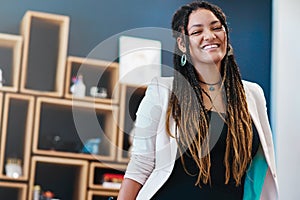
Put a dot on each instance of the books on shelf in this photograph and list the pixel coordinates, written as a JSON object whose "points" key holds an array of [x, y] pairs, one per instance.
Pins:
{"points": [[111, 185], [112, 180]]}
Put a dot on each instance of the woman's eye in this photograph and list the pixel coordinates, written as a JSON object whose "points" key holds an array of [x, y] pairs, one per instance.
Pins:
{"points": [[196, 32], [218, 28]]}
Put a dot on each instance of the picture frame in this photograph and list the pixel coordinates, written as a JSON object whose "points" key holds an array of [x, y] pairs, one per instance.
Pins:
{"points": [[139, 60]]}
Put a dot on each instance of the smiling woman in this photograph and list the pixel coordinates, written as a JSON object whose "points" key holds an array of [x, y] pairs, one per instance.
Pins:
{"points": [[207, 117]]}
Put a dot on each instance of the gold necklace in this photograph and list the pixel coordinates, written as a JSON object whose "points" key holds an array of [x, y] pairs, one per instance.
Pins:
{"points": [[213, 99]]}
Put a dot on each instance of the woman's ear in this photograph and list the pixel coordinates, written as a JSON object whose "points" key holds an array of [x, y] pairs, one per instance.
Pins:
{"points": [[181, 44]]}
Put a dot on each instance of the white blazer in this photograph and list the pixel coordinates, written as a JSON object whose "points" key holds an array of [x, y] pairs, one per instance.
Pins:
{"points": [[154, 151]]}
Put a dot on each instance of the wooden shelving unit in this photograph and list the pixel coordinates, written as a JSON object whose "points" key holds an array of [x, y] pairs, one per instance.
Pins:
{"points": [[68, 177], [44, 53], [130, 99], [17, 123], [13, 191], [99, 73], [10, 56], [97, 170], [62, 143], [74, 123]]}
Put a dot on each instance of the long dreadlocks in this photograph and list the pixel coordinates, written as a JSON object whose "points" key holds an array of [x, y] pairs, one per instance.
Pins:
{"points": [[187, 108]]}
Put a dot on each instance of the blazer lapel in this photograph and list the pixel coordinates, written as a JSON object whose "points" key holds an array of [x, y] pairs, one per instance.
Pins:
{"points": [[255, 118]]}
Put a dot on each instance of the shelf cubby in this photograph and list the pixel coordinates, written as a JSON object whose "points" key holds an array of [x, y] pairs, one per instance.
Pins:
{"points": [[45, 46], [62, 127], [16, 132], [101, 195], [97, 170], [13, 191], [10, 64], [130, 99], [67, 180], [99, 73]]}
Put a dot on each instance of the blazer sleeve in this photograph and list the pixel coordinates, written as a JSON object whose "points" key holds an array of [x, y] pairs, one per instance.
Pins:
{"points": [[142, 158]]}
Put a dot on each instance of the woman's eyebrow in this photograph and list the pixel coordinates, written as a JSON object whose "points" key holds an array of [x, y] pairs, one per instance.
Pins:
{"points": [[215, 22], [201, 25], [196, 25]]}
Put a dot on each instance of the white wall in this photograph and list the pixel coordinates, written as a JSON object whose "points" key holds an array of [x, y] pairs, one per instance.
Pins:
{"points": [[286, 95]]}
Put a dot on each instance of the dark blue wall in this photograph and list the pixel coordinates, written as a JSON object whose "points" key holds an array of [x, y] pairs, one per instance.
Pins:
{"points": [[251, 36], [93, 21]]}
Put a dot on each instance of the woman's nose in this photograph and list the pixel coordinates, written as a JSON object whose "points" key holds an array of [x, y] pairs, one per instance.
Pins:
{"points": [[208, 35]]}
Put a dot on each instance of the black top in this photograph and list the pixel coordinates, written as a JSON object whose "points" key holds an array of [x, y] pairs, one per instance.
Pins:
{"points": [[180, 185]]}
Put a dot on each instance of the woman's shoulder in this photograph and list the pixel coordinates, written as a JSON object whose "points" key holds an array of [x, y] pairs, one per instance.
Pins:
{"points": [[250, 84], [252, 88], [159, 88], [164, 81]]}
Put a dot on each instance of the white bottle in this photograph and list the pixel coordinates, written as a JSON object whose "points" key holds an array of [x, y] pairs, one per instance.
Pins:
{"points": [[36, 192], [79, 88]]}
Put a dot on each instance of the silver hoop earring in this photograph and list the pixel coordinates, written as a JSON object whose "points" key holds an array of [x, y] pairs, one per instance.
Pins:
{"points": [[183, 60]]}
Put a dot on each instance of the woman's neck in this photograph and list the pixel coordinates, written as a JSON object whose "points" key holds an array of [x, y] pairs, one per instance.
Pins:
{"points": [[209, 74]]}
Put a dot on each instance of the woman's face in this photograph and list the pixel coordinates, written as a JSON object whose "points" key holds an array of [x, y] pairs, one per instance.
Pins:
{"points": [[208, 39]]}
